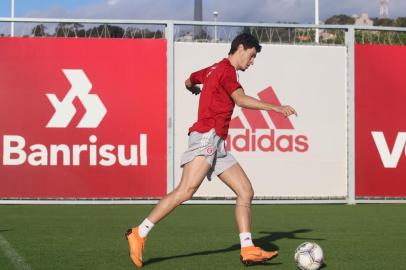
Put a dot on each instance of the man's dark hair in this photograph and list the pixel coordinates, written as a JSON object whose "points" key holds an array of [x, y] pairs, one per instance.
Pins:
{"points": [[247, 40]]}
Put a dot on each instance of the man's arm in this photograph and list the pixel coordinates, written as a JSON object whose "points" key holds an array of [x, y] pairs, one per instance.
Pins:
{"points": [[244, 101], [192, 87], [196, 78]]}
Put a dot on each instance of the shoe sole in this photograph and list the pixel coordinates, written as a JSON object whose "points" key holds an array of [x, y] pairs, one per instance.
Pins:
{"points": [[127, 233], [251, 262]]}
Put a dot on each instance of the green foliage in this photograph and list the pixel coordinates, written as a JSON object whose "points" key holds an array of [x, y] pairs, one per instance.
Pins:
{"points": [[100, 31], [267, 35], [383, 22], [400, 22], [374, 37], [200, 33], [106, 31], [39, 31], [263, 34], [340, 19], [69, 29], [380, 37]]}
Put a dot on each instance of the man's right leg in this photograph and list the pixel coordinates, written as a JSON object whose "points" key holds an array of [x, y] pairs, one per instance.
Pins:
{"points": [[192, 176]]}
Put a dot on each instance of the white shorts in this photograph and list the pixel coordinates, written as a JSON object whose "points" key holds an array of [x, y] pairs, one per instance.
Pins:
{"points": [[211, 146]]}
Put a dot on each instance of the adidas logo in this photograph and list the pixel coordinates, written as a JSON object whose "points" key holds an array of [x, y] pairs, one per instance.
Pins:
{"points": [[251, 131], [65, 111]]}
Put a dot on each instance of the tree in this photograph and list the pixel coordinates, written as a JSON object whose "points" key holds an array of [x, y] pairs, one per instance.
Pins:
{"points": [[106, 31], [134, 32], [100, 31], [69, 30], [39, 30], [400, 22], [259, 32], [340, 19], [200, 33], [266, 34], [382, 22]]}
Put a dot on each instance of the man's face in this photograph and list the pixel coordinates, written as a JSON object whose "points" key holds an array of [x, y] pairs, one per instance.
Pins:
{"points": [[246, 57]]}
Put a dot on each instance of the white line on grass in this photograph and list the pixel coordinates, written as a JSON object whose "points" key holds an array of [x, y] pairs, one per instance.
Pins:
{"points": [[18, 261]]}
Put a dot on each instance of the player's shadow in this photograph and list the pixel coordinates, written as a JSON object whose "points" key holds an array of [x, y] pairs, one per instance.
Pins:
{"points": [[266, 242]]}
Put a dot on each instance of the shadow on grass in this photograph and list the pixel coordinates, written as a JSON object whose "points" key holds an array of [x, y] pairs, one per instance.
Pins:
{"points": [[266, 242]]}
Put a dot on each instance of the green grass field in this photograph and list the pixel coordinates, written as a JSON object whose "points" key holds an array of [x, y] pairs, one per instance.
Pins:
{"points": [[200, 236]]}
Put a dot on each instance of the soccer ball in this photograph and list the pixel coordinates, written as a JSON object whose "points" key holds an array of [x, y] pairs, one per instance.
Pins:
{"points": [[309, 256]]}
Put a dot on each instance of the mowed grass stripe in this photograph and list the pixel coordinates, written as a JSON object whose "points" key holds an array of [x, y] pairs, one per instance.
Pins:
{"points": [[17, 261]]}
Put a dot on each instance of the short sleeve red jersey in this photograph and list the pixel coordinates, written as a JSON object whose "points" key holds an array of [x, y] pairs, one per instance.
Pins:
{"points": [[215, 105]]}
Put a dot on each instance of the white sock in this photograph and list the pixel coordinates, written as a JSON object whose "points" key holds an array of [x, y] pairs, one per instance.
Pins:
{"points": [[246, 239], [145, 227]]}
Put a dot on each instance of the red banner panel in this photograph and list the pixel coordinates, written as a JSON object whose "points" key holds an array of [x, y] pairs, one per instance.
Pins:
{"points": [[82, 118], [380, 111]]}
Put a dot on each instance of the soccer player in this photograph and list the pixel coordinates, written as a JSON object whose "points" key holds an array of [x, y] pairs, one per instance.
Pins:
{"points": [[207, 155]]}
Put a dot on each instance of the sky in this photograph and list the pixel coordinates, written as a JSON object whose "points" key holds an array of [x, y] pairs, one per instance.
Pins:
{"points": [[269, 11]]}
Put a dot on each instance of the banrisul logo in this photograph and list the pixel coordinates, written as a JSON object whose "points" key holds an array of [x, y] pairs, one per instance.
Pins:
{"points": [[17, 151], [64, 109], [252, 130]]}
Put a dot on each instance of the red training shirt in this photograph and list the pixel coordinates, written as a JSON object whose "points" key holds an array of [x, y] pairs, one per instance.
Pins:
{"points": [[215, 104]]}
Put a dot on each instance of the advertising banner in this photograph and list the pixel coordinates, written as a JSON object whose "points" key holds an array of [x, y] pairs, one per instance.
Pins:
{"points": [[296, 157], [380, 131], [82, 118]]}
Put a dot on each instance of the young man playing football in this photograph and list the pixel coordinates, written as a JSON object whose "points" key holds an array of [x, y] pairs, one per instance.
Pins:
{"points": [[207, 154]]}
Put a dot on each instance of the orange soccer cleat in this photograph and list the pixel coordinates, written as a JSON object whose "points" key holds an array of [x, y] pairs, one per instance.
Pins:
{"points": [[255, 255], [136, 245]]}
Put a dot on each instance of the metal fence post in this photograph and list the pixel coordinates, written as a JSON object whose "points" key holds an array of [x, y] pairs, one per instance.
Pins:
{"points": [[169, 35], [12, 16], [350, 43]]}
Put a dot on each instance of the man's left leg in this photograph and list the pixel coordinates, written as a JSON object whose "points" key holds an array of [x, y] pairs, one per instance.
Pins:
{"points": [[235, 178]]}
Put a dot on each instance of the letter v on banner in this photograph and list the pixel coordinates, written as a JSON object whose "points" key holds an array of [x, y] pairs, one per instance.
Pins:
{"points": [[390, 159]]}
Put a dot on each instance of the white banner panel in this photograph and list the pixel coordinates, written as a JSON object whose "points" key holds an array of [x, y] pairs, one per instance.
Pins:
{"points": [[302, 156]]}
